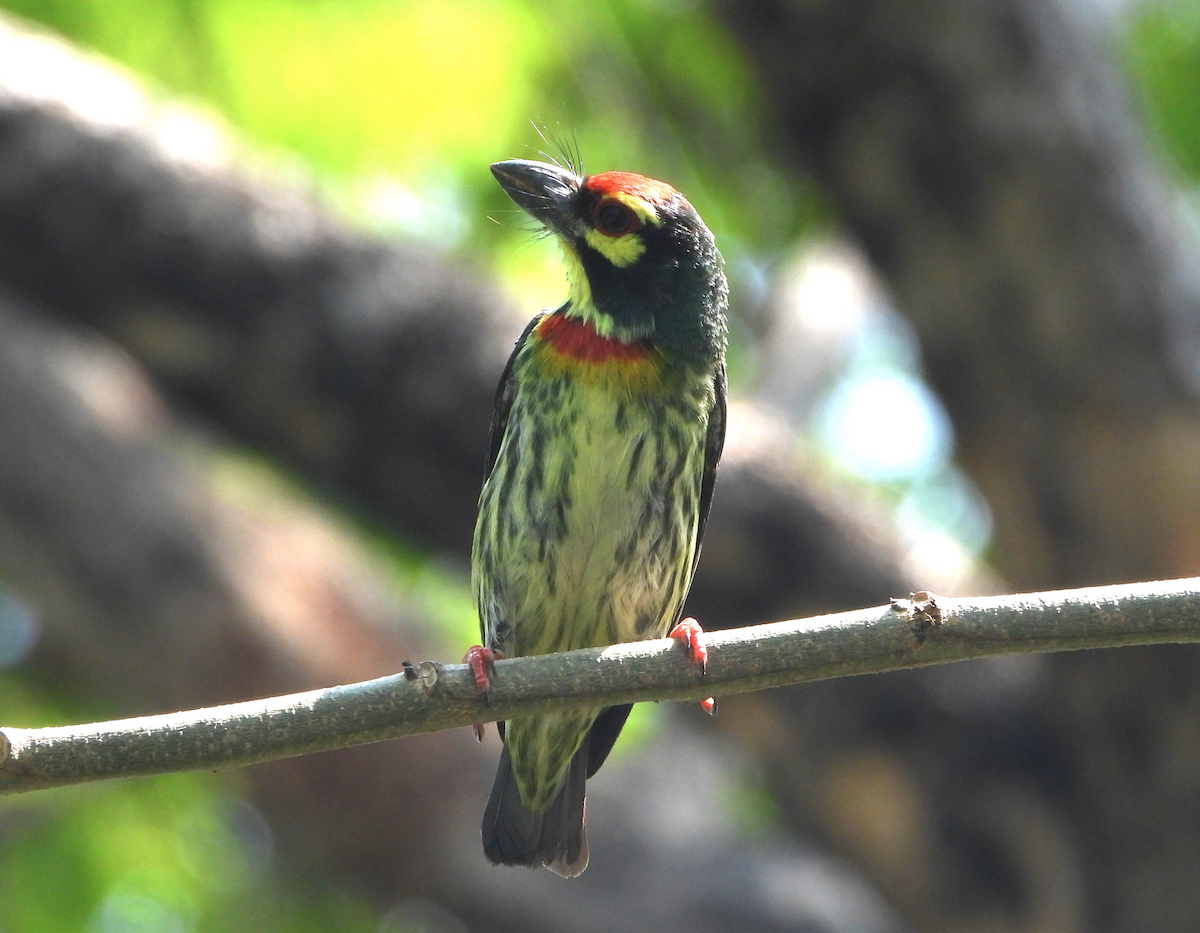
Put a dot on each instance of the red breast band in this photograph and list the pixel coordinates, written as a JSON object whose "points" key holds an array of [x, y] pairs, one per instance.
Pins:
{"points": [[579, 340]]}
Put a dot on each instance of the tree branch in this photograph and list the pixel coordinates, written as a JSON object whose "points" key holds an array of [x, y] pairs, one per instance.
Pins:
{"points": [[910, 633]]}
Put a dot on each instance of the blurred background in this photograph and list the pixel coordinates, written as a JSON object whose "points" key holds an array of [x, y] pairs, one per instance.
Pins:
{"points": [[257, 286]]}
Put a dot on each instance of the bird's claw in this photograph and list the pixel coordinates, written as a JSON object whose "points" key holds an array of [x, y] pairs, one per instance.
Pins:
{"points": [[691, 636], [482, 662]]}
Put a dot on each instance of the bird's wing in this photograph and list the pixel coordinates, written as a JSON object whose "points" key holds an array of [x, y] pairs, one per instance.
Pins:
{"points": [[505, 392], [714, 443], [504, 399]]}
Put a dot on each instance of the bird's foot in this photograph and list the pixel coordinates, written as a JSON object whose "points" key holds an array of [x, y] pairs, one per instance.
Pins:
{"points": [[482, 662], [691, 636]]}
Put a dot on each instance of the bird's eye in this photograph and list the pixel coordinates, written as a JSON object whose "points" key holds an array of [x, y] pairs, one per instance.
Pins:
{"points": [[613, 218]]}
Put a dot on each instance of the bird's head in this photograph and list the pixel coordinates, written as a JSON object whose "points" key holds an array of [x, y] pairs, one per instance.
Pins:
{"points": [[641, 263]]}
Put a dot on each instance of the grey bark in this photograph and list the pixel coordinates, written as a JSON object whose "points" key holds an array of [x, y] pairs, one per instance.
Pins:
{"points": [[912, 632]]}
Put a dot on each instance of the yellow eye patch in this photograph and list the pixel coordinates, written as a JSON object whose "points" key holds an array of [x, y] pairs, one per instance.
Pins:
{"points": [[646, 212], [621, 251]]}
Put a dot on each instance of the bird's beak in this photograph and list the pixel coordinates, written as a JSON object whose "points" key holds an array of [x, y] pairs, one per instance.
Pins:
{"points": [[545, 192]]}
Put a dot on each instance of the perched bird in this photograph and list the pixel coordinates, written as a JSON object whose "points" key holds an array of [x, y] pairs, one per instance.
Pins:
{"points": [[609, 423]]}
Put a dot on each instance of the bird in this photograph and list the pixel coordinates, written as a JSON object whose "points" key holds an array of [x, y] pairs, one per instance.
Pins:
{"points": [[608, 426]]}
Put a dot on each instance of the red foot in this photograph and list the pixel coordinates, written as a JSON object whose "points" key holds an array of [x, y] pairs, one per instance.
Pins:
{"points": [[709, 705], [691, 635], [483, 665]]}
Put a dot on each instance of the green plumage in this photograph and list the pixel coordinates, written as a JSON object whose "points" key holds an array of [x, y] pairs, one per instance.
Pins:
{"points": [[600, 474]]}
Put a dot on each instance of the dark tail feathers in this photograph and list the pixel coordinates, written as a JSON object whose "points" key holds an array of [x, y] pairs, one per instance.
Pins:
{"points": [[515, 835]]}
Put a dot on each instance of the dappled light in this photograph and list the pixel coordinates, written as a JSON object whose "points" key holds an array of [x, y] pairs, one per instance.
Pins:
{"points": [[257, 286]]}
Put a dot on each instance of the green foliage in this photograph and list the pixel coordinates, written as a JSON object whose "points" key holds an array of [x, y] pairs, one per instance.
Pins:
{"points": [[376, 86], [1163, 55], [178, 854], [400, 106]]}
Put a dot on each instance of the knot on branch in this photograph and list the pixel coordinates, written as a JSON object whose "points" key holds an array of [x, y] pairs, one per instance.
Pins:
{"points": [[923, 612]]}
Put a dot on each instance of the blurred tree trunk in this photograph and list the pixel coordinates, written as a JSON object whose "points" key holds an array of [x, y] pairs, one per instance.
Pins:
{"points": [[985, 156]]}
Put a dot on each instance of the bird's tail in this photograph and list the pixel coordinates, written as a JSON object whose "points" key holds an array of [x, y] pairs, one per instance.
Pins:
{"points": [[515, 835]]}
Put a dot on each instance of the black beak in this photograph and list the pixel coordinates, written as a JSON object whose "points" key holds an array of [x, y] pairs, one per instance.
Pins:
{"points": [[545, 192]]}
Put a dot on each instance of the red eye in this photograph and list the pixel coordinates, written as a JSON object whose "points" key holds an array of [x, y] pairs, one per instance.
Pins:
{"points": [[612, 218]]}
